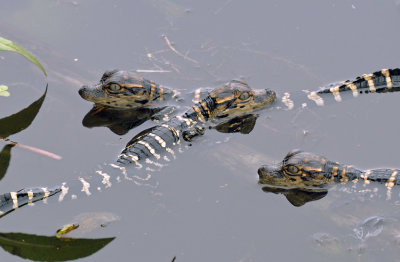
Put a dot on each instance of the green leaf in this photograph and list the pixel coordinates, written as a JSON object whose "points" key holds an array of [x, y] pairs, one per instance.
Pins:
{"points": [[3, 90], [7, 45], [5, 156], [45, 248], [17, 122]]}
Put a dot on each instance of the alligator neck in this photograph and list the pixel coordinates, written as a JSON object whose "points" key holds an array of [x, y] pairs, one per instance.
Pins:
{"points": [[201, 112]]}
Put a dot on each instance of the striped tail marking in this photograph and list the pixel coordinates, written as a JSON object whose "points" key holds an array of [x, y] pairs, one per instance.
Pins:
{"points": [[14, 200]]}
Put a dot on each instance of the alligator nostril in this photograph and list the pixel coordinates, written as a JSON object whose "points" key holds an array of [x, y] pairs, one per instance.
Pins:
{"points": [[261, 171], [82, 90]]}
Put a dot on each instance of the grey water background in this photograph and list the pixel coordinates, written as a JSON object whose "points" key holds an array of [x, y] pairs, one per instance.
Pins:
{"points": [[208, 205]]}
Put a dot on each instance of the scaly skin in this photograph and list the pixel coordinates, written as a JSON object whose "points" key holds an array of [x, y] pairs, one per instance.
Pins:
{"points": [[153, 148], [121, 89], [125, 90], [385, 80], [306, 170], [312, 173]]}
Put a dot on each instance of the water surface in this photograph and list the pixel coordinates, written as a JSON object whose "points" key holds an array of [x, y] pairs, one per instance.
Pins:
{"points": [[208, 206]]}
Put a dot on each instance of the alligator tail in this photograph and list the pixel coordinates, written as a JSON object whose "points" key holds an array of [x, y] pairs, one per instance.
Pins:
{"points": [[389, 177], [149, 151], [385, 80], [14, 200]]}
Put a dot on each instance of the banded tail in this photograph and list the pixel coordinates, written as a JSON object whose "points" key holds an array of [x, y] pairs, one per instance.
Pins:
{"points": [[153, 148], [383, 81], [149, 151]]}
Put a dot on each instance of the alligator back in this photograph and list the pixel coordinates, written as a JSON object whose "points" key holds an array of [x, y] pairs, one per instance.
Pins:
{"points": [[311, 174], [152, 148]]}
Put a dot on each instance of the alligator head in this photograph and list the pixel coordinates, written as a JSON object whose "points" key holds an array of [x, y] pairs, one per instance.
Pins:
{"points": [[300, 170], [123, 89]]}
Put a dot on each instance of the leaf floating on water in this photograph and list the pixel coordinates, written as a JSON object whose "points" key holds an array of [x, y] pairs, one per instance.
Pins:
{"points": [[7, 45], [84, 223], [65, 229], [45, 248], [3, 91]]}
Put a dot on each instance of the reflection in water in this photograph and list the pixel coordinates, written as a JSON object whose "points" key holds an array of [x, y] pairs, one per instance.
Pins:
{"points": [[13, 124], [68, 244], [5, 156], [242, 124], [297, 197], [119, 121], [371, 233], [17, 122], [50, 248], [303, 177], [154, 148]]}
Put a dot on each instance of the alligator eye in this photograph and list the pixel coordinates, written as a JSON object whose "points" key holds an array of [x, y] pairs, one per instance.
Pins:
{"points": [[244, 96], [292, 169], [114, 87]]}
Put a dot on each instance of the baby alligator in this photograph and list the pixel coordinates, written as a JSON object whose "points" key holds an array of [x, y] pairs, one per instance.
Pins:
{"points": [[314, 174], [126, 90], [147, 149], [124, 100]]}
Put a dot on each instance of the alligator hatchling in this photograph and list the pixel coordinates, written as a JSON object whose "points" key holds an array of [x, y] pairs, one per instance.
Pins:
{"points": [[308, 175], [155, 147]]}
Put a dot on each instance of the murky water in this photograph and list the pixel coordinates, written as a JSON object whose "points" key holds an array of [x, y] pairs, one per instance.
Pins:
{"points": [[208, 206]]}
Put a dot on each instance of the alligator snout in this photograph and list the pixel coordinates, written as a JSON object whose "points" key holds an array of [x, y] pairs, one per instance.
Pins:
{"points": [[269, 173], [82, 91]]}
